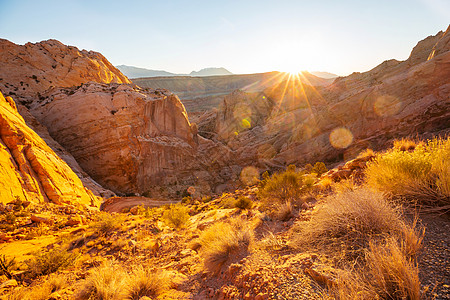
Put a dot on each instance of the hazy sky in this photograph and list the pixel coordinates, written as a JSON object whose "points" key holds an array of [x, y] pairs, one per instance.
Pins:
{"points": [[243, 36]]}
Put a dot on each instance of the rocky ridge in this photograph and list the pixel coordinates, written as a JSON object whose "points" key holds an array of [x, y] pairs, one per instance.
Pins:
{"points": [[30, 170]]}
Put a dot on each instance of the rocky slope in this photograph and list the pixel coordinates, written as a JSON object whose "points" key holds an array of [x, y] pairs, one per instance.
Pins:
{"points": [[301, 123], [29, 169]]}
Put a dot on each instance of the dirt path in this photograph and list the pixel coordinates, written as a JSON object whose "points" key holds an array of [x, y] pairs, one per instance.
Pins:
{"points": [[117, 204], [434, 262]]}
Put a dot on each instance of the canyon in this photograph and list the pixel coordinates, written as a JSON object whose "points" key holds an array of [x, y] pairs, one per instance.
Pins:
{"points": [[123, 136]]}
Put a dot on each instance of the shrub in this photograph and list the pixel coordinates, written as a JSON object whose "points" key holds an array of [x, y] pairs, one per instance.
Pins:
{"points": [[224, 243], [176, 216], [319, 168], [243, 203], [284, 211], [7, 266], [104, 282], [107, 223], [282, 187], [145, 282], [347, 221], [405, 145], [421, 175], [50, 262]]}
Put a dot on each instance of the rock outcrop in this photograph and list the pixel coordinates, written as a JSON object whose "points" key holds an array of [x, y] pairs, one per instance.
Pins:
{"points": [[29, 169], [310, 123], [128, 139], [28, 70]]}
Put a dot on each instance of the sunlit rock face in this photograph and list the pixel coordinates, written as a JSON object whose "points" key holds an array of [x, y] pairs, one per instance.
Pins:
{"points": [[301, 123], [128, 139], [28, 70], [29, 169]]}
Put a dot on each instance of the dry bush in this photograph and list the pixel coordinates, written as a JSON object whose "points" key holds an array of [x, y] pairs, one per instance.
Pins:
{"points": [[176, 216], [8, 266], [282, 187], [39, 292], [146, 282], [347, 221], [243, 203], [50, 262], [349, 284], [107, 223], [421, 175], [106, 282], [284, 211], [405, 144], [391, 274], [224, 243]]}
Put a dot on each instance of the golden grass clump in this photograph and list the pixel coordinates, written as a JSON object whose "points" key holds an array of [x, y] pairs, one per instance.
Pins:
{"points": [[282, 187], [176, 216], [50, 262], [421, 175], [348, 221], [391, 273], [145, 282], [107, 281], [224, 243], [107, 223]]}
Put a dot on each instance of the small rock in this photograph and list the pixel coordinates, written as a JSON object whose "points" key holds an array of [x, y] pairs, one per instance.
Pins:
{"points": [[134, 210], [37, 219]]}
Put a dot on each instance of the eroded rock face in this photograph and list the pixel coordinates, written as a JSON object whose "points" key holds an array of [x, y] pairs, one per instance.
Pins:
{"points": [[364, 110], [126, 138], [29, 169], [28, 70]]}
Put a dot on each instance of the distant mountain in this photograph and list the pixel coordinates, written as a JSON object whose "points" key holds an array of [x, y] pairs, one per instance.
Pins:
{"points": [[134, 72], [211, 72], [325, 75]]}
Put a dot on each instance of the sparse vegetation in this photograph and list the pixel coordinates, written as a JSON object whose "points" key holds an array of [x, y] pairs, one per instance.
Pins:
{"points": [[7, 266], [282, 187], [421, 174], [50, 262], [348, 221], [107, 223], [243, 203], [104, 282], [225, 242], [176, 216], [319, 168], [146, 282]]}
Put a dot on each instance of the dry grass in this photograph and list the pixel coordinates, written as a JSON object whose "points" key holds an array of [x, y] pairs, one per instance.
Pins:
{"points": [[176, 216], [40, 292], [406, 144], [348, 221], [107, 223], [50, 262], [107, 282], [282, 187], [224, 243], [421, 175], [391, 274], [284, 211], [145, 282]]}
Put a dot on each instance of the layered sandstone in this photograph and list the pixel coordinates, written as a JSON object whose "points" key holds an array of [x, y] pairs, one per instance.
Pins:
{"points": [[128, 139], [308, 123], [29, 169], [28, 70]]}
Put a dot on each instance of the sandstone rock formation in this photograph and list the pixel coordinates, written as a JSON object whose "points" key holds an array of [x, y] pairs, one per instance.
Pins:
{"points": [[126, 138], [27, 70], [29, 169], [310, 123]]}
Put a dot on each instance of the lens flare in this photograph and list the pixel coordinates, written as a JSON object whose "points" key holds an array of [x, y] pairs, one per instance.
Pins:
{"points": [[341, 138]]}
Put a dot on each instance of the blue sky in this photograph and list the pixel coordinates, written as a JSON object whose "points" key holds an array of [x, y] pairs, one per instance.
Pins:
{"points": [[242, 36]]}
